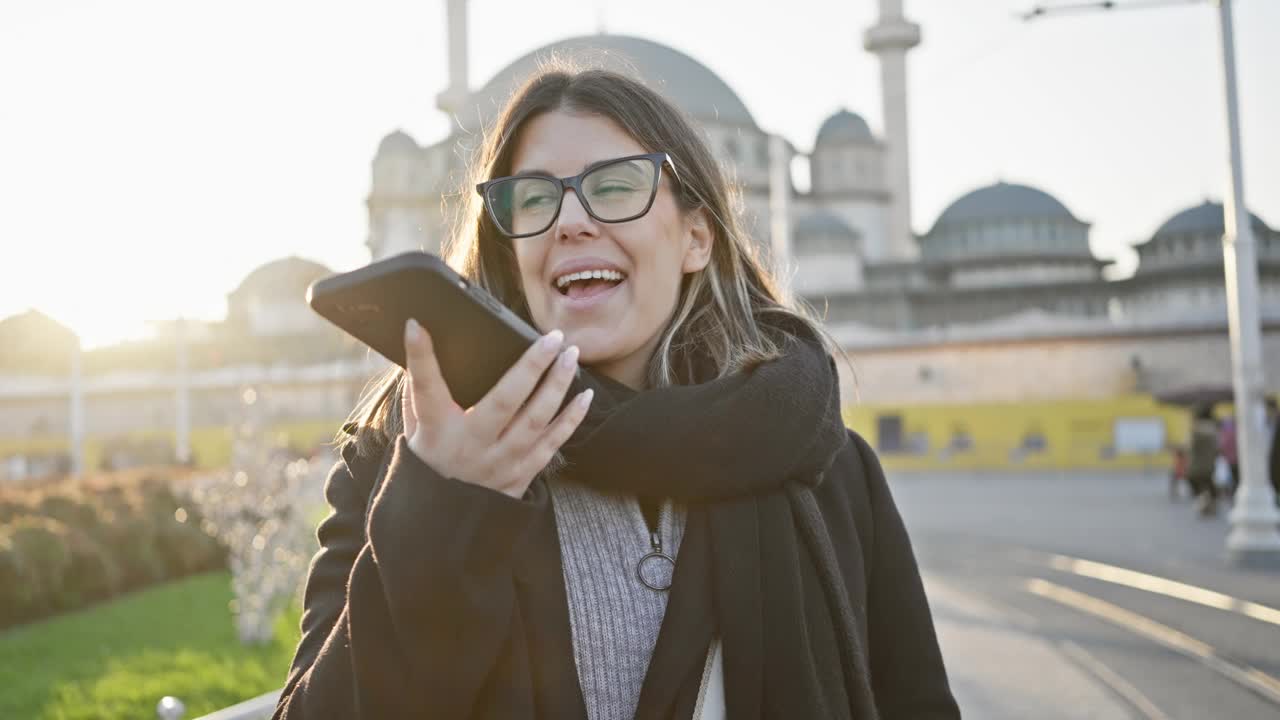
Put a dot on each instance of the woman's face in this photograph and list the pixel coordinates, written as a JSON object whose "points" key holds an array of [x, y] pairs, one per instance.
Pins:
{"points": [[616, 325]]}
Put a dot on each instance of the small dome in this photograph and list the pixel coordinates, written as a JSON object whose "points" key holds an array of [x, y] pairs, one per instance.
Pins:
{"points": [[34, 328], [822, 222], [35, 343], [284, 279], [821, 232], [842, 128], [397, 143], [1203, 219], [689, 84], [1004, 201]]}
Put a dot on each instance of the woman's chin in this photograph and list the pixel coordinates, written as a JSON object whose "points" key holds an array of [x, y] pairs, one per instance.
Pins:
{"points": [[598, 351], [594, 348]]}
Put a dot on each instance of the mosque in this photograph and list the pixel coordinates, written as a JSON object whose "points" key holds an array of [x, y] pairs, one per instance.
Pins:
{"points": [[975, 342], [991, 339], [995, 252]]}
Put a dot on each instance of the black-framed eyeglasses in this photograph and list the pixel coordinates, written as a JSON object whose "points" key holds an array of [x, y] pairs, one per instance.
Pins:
{"points": [[611, 191]]}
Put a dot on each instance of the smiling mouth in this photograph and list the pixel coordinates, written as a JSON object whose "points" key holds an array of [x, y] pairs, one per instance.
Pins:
{"points": [[588, 284]]}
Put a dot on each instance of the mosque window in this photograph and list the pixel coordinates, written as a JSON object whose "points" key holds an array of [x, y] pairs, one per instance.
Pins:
{"points": [[731, 149], [762, 152]]}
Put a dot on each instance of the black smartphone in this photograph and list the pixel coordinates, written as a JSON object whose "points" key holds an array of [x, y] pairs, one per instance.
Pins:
{"points": [[476, 338]]}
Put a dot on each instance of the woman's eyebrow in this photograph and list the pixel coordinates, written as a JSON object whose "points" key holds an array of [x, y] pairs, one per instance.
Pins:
{"points": [[590, 166]]}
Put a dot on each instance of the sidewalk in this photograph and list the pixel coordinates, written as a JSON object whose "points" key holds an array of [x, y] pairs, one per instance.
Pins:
{"points": [[1001, 671]]}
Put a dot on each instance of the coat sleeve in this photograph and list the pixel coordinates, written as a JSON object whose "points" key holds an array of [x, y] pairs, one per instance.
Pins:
{"points": [[907, 672], [410, 600]]}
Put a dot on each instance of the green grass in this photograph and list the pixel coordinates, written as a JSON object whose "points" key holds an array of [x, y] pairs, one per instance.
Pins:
{"points": [[118, 659]]}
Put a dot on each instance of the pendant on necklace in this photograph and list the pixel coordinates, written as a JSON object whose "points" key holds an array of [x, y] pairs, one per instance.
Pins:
{"points": [[656, 569]]}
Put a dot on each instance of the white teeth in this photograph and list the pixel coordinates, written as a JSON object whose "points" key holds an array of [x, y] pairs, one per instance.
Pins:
{"points": [[564, 280]]}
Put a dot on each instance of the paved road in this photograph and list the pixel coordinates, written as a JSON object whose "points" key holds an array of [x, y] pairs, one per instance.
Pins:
{"points": [[1091, 596]]}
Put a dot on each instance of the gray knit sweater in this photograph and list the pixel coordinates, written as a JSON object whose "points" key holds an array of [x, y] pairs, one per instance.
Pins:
{"points": [[613, 616]]}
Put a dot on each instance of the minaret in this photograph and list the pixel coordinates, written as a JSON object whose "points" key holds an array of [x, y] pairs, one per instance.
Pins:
{"points": [[454, 97], [891, 38], [780, 206]]}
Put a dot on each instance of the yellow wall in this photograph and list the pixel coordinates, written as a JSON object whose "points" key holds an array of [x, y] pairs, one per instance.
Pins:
{"points": [[1076, 433], [211, 445]]}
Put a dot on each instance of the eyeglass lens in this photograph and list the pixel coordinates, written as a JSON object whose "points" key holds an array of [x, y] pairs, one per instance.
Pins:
{"points": [[613, 193]]}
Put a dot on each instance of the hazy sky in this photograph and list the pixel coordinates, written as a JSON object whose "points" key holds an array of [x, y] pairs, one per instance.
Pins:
{"points": [[153, 152]]}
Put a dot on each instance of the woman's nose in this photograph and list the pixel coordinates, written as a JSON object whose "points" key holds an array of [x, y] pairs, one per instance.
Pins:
{"points": [[574, 220]]}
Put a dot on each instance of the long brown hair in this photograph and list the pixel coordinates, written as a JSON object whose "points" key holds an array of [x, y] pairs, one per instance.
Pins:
{"points": [[716, 327]]}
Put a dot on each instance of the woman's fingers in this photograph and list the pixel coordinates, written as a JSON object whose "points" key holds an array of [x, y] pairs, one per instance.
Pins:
{"points": [[407, 413], [538, 412], [557, 434], [496, 409], [465, 445], [430, 394]]}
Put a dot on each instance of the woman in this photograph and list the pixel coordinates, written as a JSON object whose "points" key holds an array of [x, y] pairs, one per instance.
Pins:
{"points": [[519, 560], [1203, 456]]}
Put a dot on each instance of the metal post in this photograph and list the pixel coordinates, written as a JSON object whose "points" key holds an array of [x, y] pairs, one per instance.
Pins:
{"points": [[76, 398], [1254, 539], [182, 431]]}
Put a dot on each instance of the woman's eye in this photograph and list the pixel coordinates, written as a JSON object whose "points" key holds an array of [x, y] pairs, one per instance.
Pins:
{"points": [[535, 201], [613, 189]]}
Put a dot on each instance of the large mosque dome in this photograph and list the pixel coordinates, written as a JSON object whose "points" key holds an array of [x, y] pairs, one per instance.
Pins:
{"points": [[1006, 219], [683, 80], [1003, 201]]}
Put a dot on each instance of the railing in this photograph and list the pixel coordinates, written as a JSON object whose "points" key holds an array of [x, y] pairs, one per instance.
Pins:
{"points": [[259, 708]]}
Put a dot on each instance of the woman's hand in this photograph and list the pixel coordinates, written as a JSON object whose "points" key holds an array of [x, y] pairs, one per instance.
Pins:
{"points": [[511, 434]]}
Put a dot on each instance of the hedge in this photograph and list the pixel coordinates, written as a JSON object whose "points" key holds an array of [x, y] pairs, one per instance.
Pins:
{"points": [[74, 543]]}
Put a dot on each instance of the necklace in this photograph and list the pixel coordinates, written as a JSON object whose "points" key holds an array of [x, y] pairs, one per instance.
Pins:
{"points": [[657, 569]]}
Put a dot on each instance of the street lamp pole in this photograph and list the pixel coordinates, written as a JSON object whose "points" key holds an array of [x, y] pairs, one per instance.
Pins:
{"points": [[182, 431], [77, 417], [1254, 538]]}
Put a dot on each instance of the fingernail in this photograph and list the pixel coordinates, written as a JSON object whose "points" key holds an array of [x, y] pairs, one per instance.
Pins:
{"points": [[585, 398], [552, 340], [412, 330], [569, 357]]}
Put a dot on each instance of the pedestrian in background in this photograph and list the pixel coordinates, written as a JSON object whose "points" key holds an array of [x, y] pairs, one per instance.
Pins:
{"points": [[1204, 453], [1227, 448], [1178, 473], [1273, 432]]}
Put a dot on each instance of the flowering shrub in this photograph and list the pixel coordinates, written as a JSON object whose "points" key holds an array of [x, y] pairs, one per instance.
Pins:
{"points": [[263, 510]]}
